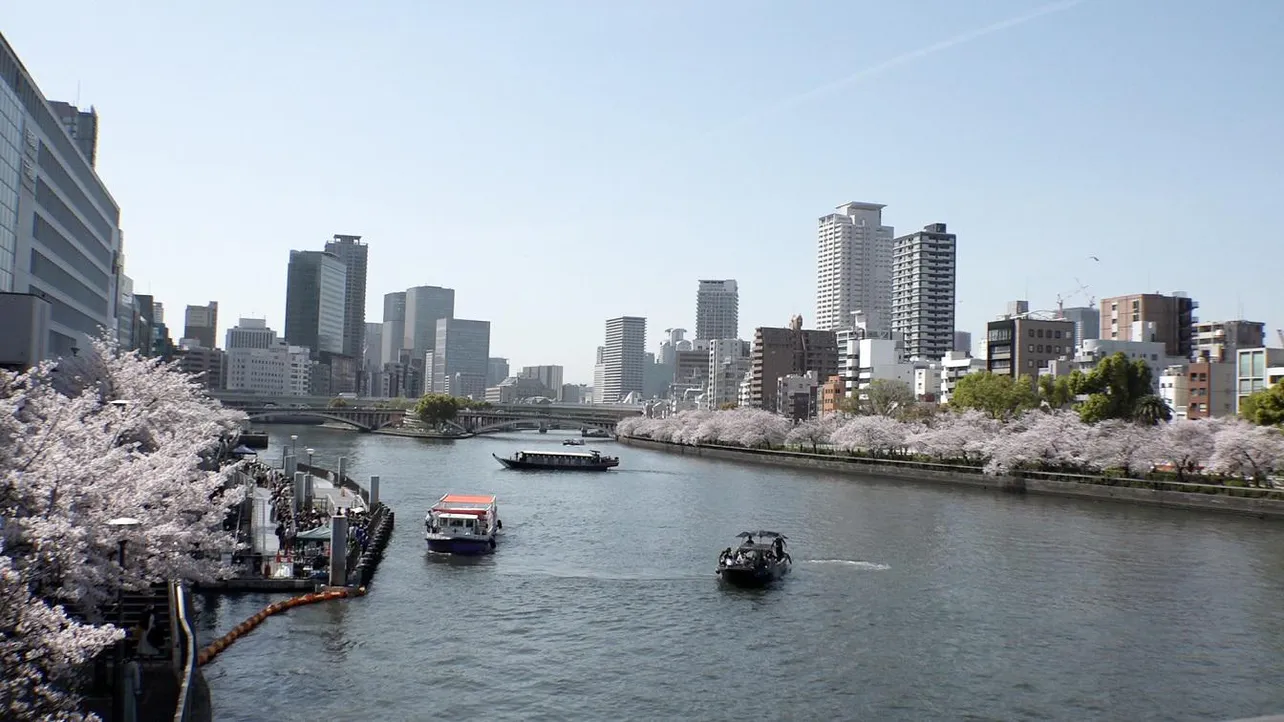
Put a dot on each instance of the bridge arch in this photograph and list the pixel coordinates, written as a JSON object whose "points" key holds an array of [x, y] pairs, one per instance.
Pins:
{"points": [[260, 415], [536, 421]]}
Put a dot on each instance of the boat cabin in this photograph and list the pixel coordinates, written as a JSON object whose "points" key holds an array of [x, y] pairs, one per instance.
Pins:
{"points": [[561, 458], [462, 515]]}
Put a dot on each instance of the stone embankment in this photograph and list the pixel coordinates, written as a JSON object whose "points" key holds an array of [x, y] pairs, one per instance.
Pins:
{"points": [[1261, 503]]}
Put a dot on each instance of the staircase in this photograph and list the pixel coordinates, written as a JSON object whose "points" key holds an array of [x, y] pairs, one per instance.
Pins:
{"points": [[134, 604]]}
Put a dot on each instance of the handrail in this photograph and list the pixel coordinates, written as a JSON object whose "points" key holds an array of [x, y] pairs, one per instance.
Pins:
{"points": [[183, 708]]}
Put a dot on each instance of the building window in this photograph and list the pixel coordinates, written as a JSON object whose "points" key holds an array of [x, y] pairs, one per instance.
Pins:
{"points": [[1031, 348], [1058, 334], [1031, 333], [1040, 348]]}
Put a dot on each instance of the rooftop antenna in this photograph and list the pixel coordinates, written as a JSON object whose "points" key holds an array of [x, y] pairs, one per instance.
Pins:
{"points": [[77, 94]]}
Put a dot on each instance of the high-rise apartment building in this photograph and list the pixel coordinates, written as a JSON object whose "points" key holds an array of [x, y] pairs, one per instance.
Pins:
{"points": [[60, 239], [853, 266], [354, 255], [200, 323], [717, 310], [1125, 318], [461, 357], [315, 290], [425, 306], [622, 359], [963, 342], [1221, 341], [550, 376], [792, 351], [729, 361], [923, 287]]}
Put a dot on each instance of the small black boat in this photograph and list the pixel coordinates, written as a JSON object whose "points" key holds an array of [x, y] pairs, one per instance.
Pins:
{"points": [[559, 461], [755, 563]]}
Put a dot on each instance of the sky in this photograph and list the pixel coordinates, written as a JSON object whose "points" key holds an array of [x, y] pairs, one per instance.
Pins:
{"points": [[559, 163]]}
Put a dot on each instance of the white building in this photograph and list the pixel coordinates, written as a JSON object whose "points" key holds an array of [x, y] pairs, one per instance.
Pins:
{"points": [[923, 275], [263, 371], [1174, 389], [954, 366], [849, 336], [881, 358], [250, 333], [717, 310], [729, 361], [853, 266], [299, 374], [1154, 353], [744, 395], [622, 359], [927, 382], [796, 395]]}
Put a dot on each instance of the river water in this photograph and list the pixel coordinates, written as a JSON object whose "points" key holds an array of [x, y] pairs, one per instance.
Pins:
{"points": [[907, 602]]}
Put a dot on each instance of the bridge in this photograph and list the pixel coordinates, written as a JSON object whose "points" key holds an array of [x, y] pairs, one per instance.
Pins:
{"points": [[486, 420], [361, 419]]}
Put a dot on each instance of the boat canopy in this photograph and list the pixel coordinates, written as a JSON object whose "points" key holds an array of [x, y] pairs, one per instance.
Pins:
{"points": [[760, 533], [582, 454], [447, 511], [467, 499], [457, 515]]}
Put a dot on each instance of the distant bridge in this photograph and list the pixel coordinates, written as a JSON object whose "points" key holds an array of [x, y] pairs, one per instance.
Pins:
{"points": [[362, 419], [488, 420]]}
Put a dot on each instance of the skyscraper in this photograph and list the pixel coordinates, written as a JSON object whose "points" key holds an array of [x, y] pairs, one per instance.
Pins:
{"points": [[622, 359], [550, 376], [394, 326], [853, 266], [923, 282], [717, 310], [425, 306], [60, 240], [354, 254], [496, 370], [314, 301], [201, 323], [82, 126], [461, 357]]}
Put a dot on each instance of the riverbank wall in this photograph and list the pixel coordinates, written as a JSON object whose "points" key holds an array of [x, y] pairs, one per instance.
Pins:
{"points": [[1260, 503]]}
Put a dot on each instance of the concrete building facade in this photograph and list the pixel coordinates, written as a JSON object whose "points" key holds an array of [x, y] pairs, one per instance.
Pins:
{"points": [[779, 352], [550, 376], [200, 323], [1022, 346], [462, 347], [923, 291], [425, 306], [1221, 341], [1173, 317]]}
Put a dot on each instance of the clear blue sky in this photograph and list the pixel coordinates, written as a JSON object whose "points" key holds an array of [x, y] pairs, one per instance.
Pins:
{"points": [[558, 162]]}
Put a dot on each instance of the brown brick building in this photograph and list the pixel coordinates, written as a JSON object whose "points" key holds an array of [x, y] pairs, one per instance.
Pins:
{"points": [[1124, 318], [779, 352]]}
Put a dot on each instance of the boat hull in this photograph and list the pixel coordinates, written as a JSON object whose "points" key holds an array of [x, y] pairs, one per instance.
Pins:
{"points": [[749, 577], [462, 547], [539, 466]]}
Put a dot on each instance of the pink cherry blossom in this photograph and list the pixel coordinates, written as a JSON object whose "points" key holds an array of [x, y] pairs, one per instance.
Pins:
{"points": [[90, 439]]}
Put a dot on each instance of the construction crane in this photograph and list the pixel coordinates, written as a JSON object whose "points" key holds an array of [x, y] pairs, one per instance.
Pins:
{"points": [[1061, 297]]}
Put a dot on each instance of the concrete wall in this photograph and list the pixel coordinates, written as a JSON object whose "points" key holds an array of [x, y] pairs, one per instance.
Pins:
{"points": [[961, 476]]}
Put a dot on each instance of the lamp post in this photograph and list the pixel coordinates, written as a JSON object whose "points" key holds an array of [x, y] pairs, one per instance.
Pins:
{"points": [[309, 452], [293, 448], [121, 525]]}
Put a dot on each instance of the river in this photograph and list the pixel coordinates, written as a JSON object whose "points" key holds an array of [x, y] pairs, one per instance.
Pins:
{"points": [[906, 602]]}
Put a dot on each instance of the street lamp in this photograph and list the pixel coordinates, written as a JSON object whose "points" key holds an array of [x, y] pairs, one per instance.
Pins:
{"points": [[293, 449], [309, 452], [121, 525]]}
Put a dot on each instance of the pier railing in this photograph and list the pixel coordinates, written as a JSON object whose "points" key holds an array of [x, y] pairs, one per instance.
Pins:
{"points": [[332, 476], [186, 651]]}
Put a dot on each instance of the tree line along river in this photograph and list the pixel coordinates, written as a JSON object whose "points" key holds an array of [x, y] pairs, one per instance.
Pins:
{"points": [[907, 602]]}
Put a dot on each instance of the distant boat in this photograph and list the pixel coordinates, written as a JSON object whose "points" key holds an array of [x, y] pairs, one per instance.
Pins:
{"points": [[463, 524], [559, 461], [573, 442], [594, 434], [755, 563]]}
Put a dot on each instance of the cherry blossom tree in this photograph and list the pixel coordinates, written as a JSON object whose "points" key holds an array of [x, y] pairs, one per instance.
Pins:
{"points": [[1122, 445], [875, 435], [84, 441], [962, 436], [1187, 445], [1247, 451], [812, 432]]}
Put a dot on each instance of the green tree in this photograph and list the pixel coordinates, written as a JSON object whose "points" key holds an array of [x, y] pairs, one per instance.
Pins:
{"points": [[1150, 410], [727, 405], [1265, 407], [437, 409], [337, 403], [997, 395], [1058, 392], [885, 397], [1115, 390]]}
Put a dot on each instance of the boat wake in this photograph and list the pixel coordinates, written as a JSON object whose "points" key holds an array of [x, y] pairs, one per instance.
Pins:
{"points": [[871, 566]]}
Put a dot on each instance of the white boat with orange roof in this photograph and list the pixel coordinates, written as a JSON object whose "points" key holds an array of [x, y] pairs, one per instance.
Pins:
{"points": [[463, 524]]}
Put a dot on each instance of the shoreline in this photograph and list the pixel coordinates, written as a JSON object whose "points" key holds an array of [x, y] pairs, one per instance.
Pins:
{"points": [[1199, 497]]}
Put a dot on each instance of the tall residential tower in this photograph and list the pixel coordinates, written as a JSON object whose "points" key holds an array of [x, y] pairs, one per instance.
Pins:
{"points": [[717, 310], [623, 357], [923, 283], [853, 266]]}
